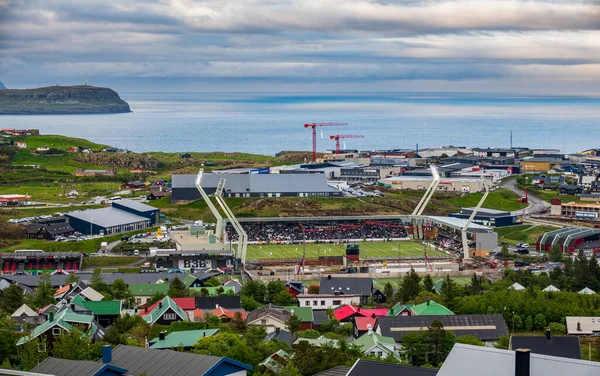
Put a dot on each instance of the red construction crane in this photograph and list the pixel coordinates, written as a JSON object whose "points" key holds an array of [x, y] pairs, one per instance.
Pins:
{"points": [[337, 140], [314, 135]]}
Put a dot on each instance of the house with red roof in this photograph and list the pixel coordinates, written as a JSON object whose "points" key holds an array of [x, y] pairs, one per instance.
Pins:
{"points": [[362, 325], [347, 312]]}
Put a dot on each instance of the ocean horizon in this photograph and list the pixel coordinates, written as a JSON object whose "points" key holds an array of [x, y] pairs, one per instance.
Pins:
{"points": [[266, 123]]}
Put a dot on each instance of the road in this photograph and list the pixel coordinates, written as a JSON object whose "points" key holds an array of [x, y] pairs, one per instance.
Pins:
{"points": [[535, 204]]}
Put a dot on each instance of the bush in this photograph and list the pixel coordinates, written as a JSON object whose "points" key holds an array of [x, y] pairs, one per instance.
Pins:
{"points": [[557, 328], [309, 333]]}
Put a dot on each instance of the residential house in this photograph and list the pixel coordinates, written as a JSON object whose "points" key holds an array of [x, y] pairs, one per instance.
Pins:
{"points": [[186, 339], [49, 231], [43, 148], [142, 292], [346, 313], [226, 315], [430, 307], [327, 301], [583, 325], [212, 302], [295, 288], [488, 328], [281, 335], [156, 195], [551, 288], [72, 193], [347, 286], [369, 367], [401, 310], [319, 317], [374, 344], [586, 291], [58, 322], [73, 149], [90, 294], [270, 317], [363, 324], [130, 360], [570, 189], [134, 185], [186, 304], [166, 312], [276, 362], [318, 342], [21, 145], [562, 346], [516, 286], [68, 291], [25, 316], [237, 286], [105, 312], [305, 314], [487, 361]]}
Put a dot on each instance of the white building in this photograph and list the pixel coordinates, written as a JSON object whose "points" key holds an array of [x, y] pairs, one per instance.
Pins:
{"points": [[420, 183], [326, 301]]}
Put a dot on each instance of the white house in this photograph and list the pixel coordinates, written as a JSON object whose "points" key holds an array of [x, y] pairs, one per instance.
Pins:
{"points": [[326, 301], [517, 287], [72, 193], [583, 325], [43, 148], [372, 343], [551, 289], [587, 291]]}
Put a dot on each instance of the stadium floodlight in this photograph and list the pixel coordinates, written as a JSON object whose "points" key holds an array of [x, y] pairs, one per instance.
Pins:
{"points": [[242, 244], [465, 228], [211, 206], [429, 192]]}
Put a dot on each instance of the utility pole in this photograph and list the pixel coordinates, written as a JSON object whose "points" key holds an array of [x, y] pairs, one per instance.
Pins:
{"points": [[511, 145]]}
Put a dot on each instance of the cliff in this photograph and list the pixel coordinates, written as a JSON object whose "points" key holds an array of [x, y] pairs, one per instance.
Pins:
{"points": [[61, 100]]}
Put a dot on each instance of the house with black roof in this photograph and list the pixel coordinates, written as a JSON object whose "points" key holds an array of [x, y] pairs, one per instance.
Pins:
{"points": [[212, 302], [49, 231], [488, 328], [334, 285], [130, 360], [563, 346], [369, 367]]}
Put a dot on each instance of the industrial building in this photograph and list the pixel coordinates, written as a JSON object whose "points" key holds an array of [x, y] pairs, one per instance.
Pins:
{"points": [[124, 216], [580, 209], [253, 185], [571, 240], [488, 217], [420, 183]]}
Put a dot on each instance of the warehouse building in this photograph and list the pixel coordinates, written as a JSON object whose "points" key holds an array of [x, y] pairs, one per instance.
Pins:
{"points": [[420, 183], [255, 185], [125, 216], [488, 217]]}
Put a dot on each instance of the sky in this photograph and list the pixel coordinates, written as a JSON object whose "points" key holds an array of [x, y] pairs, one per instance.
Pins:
{"points": [[546, 47]]}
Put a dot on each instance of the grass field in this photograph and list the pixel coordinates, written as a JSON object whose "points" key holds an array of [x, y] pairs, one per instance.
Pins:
{"points": [[54, 192], [522, 233], [367, 249]]}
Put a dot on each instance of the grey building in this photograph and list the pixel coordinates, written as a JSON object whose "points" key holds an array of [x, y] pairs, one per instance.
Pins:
{"points": [[124, 216], [368, 174], [257, 185]]}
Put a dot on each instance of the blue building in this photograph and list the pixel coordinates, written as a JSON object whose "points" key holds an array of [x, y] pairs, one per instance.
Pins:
{"points": [[488, 217]]}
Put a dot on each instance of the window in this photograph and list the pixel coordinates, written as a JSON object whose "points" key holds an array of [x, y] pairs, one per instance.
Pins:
{"points": [[263, 321], [373, 353], [138, 300], [170, 316], [315, 302], [307, 303], [337, 302], [322, 302], [379, 353], [56, 331]]}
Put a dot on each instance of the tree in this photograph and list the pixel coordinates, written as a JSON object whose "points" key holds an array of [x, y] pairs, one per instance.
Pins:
{"points": [[293, 324], [32, 353], [437, 343], [250, 304], [290, 370], [274, 288], [238, 324], [476, 284], [411, 286], [308, 333], [557, 328], [8, 345], [72, 278], [539, 322], [428, 284], [98, 284], [220, 290], [283, 298], [415, 347], [313, 289], [11, 298], [212, 321], [449, 292], [529, 324], [504, 251], [156, 297], [256, 290], [72, 345], [470, 340], [177, 289], [120, 291], [503, 342], [388, 291], [45, 292], [556, 253], [212, 282]]}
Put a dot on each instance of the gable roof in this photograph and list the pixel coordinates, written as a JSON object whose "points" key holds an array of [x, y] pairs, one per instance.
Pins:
{"points": [[430, 307], [148, 289], [66, 367], [91, 294], [551, 288], [484, 327], [516, 286], [346, 285], [319, 342], [305, 314], [398, 308], [362, 323], [369, 340], [156, 362], [587, 291], [51, 228], [369, 367], [63, 290], [563, 346], [187, 338], [272, 362], [167, 303], [24, 310], [319, 317], [276, 312], [486, 361], [336, 371], [102, 307], [211, 302], [348, 310], [282, 335], [223, 312], [64, 319]]}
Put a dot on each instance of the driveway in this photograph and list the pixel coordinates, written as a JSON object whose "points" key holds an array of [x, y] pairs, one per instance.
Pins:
{"points": [[536, 205]]}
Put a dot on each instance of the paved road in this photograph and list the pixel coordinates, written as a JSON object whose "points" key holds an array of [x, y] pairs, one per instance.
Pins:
{"points": [[536, 204]]}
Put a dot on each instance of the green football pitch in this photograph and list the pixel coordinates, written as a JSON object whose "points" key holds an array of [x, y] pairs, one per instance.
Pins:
{"points": [[367, 250]]}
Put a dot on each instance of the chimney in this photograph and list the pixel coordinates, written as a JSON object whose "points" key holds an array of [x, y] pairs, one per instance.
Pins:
{"points": [[146, 309], [548, 334], [369, 328], [72, 306], [106, 354], [51, 318], [329, 276], [161, 336], [292, 311], [277, 330], [579, 324], [428, 302], [522, 362], [216, 306], [160, 305]]}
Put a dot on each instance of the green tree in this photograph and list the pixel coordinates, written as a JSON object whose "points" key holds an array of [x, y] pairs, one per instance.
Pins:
{"points": [[428, 284], [449, 293], [293, 324], [274, 290], [529, 324], [72, 345], [212, 282], [290, 370], [11, 298], [8, 345], [503, 342], [156, 297], [539, 321], [120, 291], [220, 290], [283, 298], [212, 321], [388, 291], [32, 353], [557, 328], [98, 284], [556, 254], [470, 340], [313, 289], [504, 251], [411, 286], [476, 285], [308, 333], [238, 324], [255, 290], [72, 278], [250, 304], [414, 347], [44, 294], [437, 343], [177, 289]]}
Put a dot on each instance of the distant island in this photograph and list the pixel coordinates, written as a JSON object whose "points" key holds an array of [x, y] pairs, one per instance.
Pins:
{"points": [[2, 86], [61, 100]]}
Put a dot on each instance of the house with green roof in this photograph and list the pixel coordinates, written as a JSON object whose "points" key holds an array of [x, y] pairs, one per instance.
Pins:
{"points": [[61, 321], [400, 310], [430, 308], [319, 342], [186, 339], [165, 312], [276, 362], [105, 311], [375, 344], [142, 292], [305, 314]]}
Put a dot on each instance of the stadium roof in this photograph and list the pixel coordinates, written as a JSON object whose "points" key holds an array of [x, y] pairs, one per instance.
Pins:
{"points": [[459, 223], [107, 217], [261, 183], [136, 205]]}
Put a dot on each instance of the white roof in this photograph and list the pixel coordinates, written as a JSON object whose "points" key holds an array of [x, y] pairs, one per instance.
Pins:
{"points": [[551, 288], [485, 361], [587, 291], [583, 325], [107, 217], [459, 223], [92, 294], [24, 309], [516, 286]]}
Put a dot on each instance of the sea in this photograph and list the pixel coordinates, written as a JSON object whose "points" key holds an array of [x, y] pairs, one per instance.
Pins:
{"points": [[266, 123]]}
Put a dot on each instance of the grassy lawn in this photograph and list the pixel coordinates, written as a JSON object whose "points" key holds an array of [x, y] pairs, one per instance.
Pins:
{"points": [[547, 195], [60, 142], [54, 192], [367, 249], [522, 233], [109, 261], [31, 211], [501, 199]]}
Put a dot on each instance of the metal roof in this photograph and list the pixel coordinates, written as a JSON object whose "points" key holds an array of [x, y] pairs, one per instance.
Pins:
{"points": [[459, 223], [211, 302], [346, 285], [336, 371], [107, 217], [258, 183], [486, 361], [563, 346], [282, 335], [186, 338], [135, 205], [66, 367], [484, 327], [369, 367]]}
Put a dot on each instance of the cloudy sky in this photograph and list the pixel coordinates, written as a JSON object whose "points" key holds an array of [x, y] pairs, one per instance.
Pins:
{"points": [[507, 46]]}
